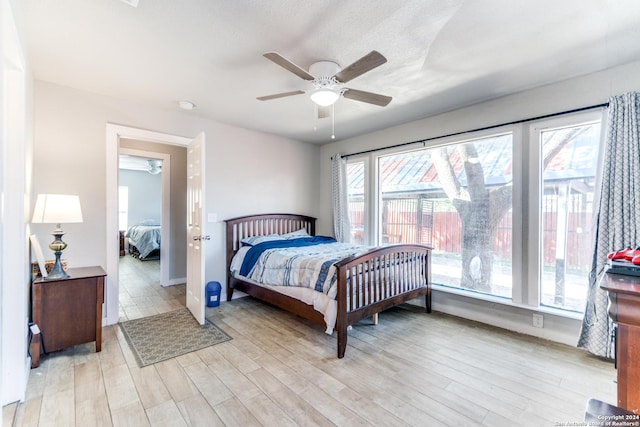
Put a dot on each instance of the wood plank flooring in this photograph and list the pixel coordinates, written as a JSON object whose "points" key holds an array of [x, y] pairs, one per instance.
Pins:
{"points": [[412, 368]]}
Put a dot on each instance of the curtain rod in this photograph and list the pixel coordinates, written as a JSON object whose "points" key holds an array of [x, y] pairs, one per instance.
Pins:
{"points": [[546, 116]]}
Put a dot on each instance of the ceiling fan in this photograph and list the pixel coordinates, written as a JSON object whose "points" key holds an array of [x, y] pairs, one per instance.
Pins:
{"points": [[328, 80], [155, 166]]}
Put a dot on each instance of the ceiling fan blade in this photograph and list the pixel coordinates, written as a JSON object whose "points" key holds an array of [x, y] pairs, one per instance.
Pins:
{"points": [[280, 95], [323, 112], [367, 63], [369, 97], [288, 65]]}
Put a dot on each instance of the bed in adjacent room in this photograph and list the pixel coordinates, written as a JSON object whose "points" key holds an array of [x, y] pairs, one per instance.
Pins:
{"points": [[144, 240], [278, 258]]}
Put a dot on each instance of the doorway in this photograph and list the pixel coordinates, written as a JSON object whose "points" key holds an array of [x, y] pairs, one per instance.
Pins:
{"points": [[115, 135], [144, 213]]}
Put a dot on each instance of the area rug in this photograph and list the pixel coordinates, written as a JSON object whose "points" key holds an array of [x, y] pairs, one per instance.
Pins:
{"points": [[167, 335]]}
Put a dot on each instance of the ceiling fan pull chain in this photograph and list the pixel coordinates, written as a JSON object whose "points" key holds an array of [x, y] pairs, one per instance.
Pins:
{"points": [[333, 121], [315, 115]]}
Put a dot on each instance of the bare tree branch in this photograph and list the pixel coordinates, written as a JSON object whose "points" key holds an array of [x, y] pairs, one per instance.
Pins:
{"points": [[552, 148], [447, 176]]}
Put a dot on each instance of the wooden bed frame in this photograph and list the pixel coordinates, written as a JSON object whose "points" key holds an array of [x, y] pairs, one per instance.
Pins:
{"points": [[367, 284]]}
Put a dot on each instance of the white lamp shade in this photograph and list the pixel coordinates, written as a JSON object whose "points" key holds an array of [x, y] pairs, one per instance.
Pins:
{"points": [[325, 97], [57, 209]]}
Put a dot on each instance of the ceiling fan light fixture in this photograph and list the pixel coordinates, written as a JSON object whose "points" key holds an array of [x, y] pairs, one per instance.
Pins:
{"points": [[325, 97], [186, 105], [155, 166]]}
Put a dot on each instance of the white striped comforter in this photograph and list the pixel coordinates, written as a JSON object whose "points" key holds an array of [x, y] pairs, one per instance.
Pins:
{"points": [[308, 266]]}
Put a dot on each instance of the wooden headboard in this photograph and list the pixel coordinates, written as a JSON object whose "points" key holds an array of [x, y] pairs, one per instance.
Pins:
{"points": [[260, 225]]}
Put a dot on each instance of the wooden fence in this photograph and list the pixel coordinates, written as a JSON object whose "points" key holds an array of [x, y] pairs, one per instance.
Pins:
{"points": [[413, 221]]}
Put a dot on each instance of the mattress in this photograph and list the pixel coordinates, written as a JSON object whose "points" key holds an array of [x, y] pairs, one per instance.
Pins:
{"points": [[321, 302]]}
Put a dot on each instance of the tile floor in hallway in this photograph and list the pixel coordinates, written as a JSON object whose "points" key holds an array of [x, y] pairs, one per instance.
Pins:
{"points": [[140, 292]]}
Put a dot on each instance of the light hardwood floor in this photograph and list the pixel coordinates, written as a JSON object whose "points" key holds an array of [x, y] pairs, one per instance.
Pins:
{"points": [[412, 368]]}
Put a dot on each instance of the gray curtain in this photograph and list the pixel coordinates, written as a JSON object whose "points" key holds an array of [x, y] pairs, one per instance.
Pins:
{"points": [[617, 215], [341, 224]]}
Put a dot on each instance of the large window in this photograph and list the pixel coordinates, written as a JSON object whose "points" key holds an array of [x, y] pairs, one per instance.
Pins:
{"points": [[457, 199], [508, 214], [567, 157]]}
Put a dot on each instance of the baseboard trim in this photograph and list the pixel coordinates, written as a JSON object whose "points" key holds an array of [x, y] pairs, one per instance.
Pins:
{"points": [[173, 282]]}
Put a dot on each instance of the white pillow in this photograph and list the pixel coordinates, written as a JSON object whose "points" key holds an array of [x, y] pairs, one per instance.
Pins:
{"points": [[295, 234], [254, 240]]}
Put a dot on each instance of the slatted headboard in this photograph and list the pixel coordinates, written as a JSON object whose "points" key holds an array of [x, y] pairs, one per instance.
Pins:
{"points": [[260, 225]]}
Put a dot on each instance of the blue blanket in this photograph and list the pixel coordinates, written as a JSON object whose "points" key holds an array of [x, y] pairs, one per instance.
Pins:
{"points": [[254, 253]]}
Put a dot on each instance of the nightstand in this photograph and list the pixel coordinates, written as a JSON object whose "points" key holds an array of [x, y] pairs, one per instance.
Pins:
{"points": [[69, 311]]}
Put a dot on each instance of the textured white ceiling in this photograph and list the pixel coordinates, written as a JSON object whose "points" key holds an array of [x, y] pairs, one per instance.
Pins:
{"points": [[442, 54]]}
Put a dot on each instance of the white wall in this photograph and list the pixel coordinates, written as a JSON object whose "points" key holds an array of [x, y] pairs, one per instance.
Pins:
{"points": [[145, 195], [246, 172], [575, 93], [16, 165]]}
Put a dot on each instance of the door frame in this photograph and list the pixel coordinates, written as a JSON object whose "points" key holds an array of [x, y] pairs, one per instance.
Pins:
{"points": [[165, 214], [114, 133]]}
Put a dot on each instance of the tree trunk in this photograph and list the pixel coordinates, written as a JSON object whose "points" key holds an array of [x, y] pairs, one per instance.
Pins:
{"points": [[481, 209], [480, 212], [477, 237]]}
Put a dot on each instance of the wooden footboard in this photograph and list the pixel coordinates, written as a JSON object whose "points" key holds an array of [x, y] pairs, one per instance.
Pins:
{"points": [[378, 280], [367, 284]]}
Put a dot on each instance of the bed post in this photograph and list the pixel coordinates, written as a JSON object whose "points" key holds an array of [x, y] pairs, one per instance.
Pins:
{"points": [[341, 321], [229, 288], [231, 247], [427, 273], [342, 341]]}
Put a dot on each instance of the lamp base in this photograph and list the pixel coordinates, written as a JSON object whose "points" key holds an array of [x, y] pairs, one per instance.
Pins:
{"points": [[57, 272]]}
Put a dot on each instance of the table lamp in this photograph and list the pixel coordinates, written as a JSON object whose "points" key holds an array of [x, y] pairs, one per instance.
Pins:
{"points": [[57, 209]]}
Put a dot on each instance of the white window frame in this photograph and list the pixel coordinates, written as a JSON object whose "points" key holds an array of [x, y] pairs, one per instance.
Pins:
{"points": [[534, 221], [368, 213]]}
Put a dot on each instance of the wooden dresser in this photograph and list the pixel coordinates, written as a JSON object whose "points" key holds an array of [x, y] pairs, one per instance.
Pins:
{"points": [[69, 311], [624, 309]]}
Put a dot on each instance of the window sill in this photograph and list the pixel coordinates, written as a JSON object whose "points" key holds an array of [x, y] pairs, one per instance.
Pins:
{"points": [[506, 301]]}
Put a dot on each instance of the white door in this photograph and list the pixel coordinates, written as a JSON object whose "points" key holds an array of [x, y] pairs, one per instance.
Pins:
{"points": [[195, 237]]}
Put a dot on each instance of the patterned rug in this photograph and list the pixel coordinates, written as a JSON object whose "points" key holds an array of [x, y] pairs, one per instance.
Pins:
{"points": [[167, 335]]}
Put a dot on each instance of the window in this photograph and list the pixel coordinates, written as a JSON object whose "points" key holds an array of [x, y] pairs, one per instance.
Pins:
{"points": [[508, 214], [123, 207], [567, 159], [457, 199], [355, 194]]}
